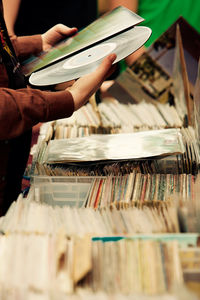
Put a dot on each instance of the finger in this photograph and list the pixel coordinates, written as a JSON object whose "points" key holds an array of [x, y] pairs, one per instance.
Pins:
{"points": [[106, 64], [57, 33], [105, 69], [88, 84], [110, 72], [64, 30]]}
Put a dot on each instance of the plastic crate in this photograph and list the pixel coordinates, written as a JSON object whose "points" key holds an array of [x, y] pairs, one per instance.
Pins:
{"points": [[62, 190]]}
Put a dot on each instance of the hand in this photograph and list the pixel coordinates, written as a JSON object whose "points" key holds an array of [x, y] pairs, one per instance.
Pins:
{"points": [[55, 34], [64, 85], [86, 86]]}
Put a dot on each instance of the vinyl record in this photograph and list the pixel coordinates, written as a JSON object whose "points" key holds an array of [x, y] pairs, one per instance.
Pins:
{"points": [[87, 61]]}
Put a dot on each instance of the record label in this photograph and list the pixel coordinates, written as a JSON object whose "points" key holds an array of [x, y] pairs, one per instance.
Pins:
{"points": [[89, 56]]}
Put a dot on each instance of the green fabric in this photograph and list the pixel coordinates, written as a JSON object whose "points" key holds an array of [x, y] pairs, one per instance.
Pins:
{"points": [[159, 15], [122, 65]]}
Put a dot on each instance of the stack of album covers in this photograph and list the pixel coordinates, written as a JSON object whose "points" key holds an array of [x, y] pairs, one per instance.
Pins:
{"points": [[148, 264], [116, 117], [166, 193], [81, 221], [53, 159], [129, 190], [63, 129], [136, 189], [138, 273], [110, 147], [117, 183], [52, 265], [111, 116]]}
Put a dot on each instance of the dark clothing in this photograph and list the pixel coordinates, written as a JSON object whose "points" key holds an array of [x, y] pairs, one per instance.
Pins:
{"points": [[20, 109], [46, 13]]}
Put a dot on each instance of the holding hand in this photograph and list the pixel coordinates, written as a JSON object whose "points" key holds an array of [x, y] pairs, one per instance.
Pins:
{"points": [[86, 86], [56, 34]]}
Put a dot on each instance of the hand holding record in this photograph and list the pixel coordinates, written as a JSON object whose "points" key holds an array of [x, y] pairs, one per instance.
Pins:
{"points": [[56, 34], [77, 56], [86, 86]]}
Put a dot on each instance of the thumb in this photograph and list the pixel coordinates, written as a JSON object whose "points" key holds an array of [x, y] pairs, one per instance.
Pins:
{"points": [[64, 31], [105, 66]]}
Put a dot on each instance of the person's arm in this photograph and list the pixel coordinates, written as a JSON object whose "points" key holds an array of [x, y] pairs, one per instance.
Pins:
{"points": [[21, 109], [133, 6], [27, 45], [130, 4], [35, 44], [10, 11]]}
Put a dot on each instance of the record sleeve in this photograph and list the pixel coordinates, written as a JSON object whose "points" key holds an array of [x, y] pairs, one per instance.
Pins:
{"points": [[114, 32], [105, 147]]}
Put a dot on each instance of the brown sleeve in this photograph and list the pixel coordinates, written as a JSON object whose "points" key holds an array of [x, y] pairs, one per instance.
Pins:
{"points": [[27, 45], [21, 109]]}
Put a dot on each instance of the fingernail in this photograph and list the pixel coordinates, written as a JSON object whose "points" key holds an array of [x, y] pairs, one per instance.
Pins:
{"points": [[113, 56]]}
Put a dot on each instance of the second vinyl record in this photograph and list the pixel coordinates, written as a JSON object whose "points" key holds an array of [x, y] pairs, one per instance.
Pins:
{"points": [[87, 61]]}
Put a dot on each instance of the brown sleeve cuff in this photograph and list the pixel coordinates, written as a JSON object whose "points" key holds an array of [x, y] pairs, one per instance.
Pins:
{"points": [[27, 45], [61, 105]]}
